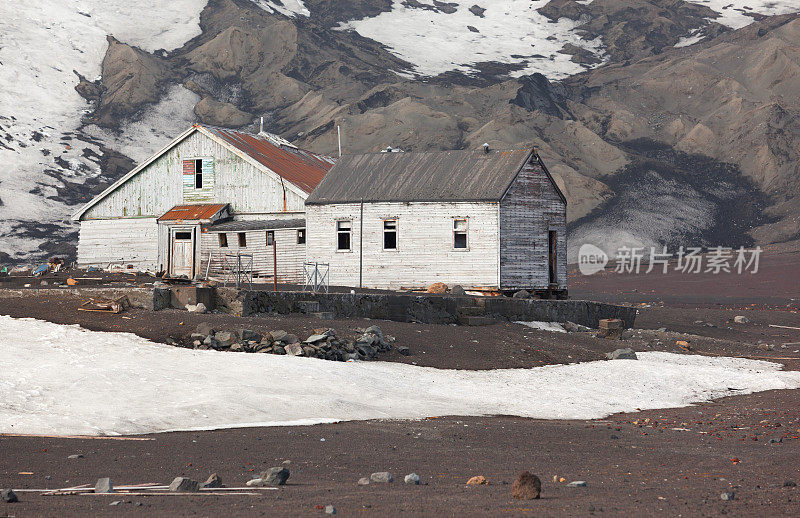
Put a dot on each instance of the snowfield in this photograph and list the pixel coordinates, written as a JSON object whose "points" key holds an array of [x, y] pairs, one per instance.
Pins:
{"points": [[57, 379]]}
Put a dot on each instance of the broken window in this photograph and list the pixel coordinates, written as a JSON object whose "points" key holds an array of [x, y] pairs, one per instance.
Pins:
{"points": [[390, 234], [270, 237], [223, 240], [344, 231], [460, 233], [301, 237], [242, 240], [198, 174]]}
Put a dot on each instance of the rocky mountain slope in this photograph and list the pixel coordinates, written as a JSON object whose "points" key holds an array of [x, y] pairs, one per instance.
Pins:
{"points": [[665, 122]]}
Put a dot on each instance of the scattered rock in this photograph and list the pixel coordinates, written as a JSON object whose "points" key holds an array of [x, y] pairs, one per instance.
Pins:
{"points": [[275, 476], [294, 350], [577, 483], [196, 308], [438, 288], [610, 328], [457, 291], [329, 509], [103, 485], [741, 319], [572, 327], [256, 482], [477, 10], [789, 483], [116, 502], [184, 485], [9, 496], [621, 354], [478, 480], [522, 294], [315, 338], [280, 336], [237, 348], [382, 477], [526, 487], [225, 338], [728, 496], [249, 335], [404, 350], [212, 481], [363, 481], [412, 478], [205, 329], [776, 440], [76, 456]]}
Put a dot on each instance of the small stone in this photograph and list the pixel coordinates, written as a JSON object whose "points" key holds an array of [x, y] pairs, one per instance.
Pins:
{"points": [[621, 354], [329, 509], [789, 483], [404, 350], [9, 496], [256, 482], [741, 319], [205, 329], [728, 496], [522, 294], [438, 288], [196, 308], [382, 476], [76, 456], [294, 350], [279, 335], [103, 485], [577, 483], [315, 338], [478, 480], [275, 476], [412, 478], [776, 440], [212, 481], [237, 348], [116, 502], [250, 335], [225, 338], [363, 481], [184, 485], [279, 350], [457, 291], [526, 487]]}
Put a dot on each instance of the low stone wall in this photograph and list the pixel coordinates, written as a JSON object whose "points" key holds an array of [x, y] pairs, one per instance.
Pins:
{"points": [[138, 297], [432, 309]]}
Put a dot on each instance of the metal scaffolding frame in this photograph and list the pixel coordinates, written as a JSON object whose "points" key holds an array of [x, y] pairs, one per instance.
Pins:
{"points": [[316, 277]]}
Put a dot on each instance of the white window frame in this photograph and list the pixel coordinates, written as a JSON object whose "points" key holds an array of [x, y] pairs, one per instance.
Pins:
{"points": [[396, 234], [270, 242], [350, 232], [465, 231]]}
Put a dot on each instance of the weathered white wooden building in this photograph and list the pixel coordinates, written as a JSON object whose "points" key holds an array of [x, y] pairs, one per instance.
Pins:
{"points": [[485, 219], [209, 195]]}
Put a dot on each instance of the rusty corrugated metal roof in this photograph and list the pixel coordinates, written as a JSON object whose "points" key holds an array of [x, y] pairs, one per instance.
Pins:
{"points": [[431, 176], [303, 168], [197, 212]]}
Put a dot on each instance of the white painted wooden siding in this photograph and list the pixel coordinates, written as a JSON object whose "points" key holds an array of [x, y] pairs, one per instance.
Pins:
{"points": [[119, 241], [159, 186], [290, 254], [425, 251], [528, 211]]}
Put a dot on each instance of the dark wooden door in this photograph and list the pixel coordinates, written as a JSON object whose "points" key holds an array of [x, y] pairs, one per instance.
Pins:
{"points": [[551, 256]]}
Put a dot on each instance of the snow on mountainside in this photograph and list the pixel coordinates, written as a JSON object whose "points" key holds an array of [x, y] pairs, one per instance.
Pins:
{"points": [[322, 62], [43, 47]]}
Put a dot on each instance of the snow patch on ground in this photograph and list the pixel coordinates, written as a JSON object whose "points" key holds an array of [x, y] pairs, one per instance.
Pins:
{"points": [[42, 45], [436, 40], [544, 326], [57, 379]]}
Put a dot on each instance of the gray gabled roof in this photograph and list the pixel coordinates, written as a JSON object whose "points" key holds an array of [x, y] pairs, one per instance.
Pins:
{"points": [[432, 176], [257, 224]]}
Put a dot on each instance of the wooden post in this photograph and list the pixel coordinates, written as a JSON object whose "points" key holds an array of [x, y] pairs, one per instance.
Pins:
{"points": [[274, 261]]}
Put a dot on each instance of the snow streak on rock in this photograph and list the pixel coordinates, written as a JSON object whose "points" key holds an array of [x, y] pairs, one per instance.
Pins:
{"points": [[43, 46], [289, 8], [439, 37]]}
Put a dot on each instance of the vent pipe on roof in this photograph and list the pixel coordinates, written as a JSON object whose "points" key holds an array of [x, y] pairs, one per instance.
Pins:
{"points": [[486, 147], [261, 126]]}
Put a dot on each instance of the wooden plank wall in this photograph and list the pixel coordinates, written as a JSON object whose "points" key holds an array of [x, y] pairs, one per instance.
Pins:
{"points": [[425, 251], [190, 193], [290, 254], [120, 242], [159, 187], [531, 208]]}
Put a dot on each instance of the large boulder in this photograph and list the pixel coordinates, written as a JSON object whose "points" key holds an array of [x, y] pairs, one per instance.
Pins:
{"points": [[184, 485], [621, 354], [275, 476], [438, 288], [526, 487]]}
